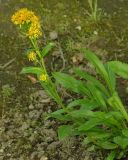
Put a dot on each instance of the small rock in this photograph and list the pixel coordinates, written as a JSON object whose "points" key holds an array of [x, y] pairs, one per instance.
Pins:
{"points": [[53, 35], [33, 155], [70, 158], [31, 106], [44, 158], [24, 126], [34, 114], [95, 33], [40, 94], [78, 58], [21, 158], [45, 100], [56, 53], [1, 150], [78, 28]]}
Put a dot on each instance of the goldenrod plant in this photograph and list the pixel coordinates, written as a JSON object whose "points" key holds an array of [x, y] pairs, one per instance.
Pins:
{"points": [[29, 25], [100, 115]]}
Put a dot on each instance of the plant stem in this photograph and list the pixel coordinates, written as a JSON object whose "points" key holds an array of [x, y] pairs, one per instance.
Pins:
{"points": [[52, 88]]}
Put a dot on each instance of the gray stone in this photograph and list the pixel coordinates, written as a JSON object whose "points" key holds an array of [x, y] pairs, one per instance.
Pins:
{"points": [[53, 35], [31, 106]]}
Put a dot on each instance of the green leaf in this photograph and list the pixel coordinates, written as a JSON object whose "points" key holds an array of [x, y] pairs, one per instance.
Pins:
{"points": [[117, 115], [49, 88], [112, 78], [58, 114], [98, 118], [125, 132], [119, 68], [98, 135], [64, 131], [111, 156], [71, 83], [91, 149], [97, 96], [86, 141], [108, 145], [110, 121], [115, 102], [89, 124], [84, 103], [33, 70], [81, 113], [46, 49], [85, 113], [92, 79], [121, 155], [121, 141], [97, 64]]}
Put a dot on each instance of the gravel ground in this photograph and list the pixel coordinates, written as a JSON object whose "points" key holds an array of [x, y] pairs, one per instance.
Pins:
{"points": [[26, 134]]}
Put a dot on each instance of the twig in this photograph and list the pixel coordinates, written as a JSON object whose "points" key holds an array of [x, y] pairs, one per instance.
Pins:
{"points": [[7, 64], [62, 57]]}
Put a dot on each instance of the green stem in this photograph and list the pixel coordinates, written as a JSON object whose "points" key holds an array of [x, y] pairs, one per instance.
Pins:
{"points": [[43, 65], [34, 43], [57, 97], [90, 5], [95, 9], [53, 90]]}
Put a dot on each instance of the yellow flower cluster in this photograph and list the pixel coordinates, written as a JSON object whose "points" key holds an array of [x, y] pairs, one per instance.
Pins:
{"points": [[27, 17], [31, 56], [43, 77]]}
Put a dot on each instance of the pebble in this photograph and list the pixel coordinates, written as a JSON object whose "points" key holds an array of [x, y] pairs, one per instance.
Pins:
{"points": [[1, 150], [44, 158], [31, 106], [53, 35]]}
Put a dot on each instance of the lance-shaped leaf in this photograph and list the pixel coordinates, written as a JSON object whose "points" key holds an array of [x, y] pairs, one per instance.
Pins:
{"points": [[108, 145], [46, 49], [101, 134], [92, 79], [121, 141], [90, 124], [65, 131], [71, 83], [125, 132], [33, 70], [96, 63], [112, 77], [119, 68], [84, 104], [97, 96], [111, 156], [99, 67]]}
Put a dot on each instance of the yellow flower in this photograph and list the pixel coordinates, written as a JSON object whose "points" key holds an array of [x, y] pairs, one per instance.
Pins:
{"points": [[21, 16], [34, 30], [31, 56], [25, 16], [43, 77]]}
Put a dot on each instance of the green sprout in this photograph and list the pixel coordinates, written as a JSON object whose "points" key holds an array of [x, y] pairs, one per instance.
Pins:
{"points": [[95, 12]]}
